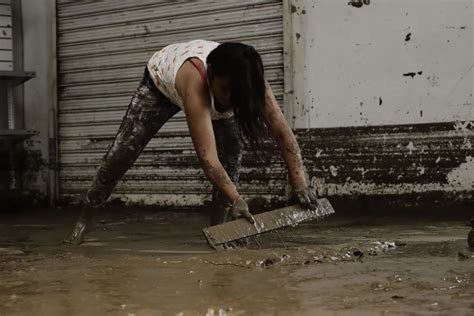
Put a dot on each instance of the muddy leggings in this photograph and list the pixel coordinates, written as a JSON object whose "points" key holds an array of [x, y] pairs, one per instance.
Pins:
{"points": [[149, 109]]}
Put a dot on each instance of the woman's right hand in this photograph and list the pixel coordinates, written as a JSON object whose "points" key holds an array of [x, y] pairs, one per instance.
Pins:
{"points": [[240, 209], [307, 197]]}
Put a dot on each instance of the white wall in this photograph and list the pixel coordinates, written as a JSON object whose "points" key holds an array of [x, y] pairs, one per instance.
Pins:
{"points": [[39, 40], [349, 62]]}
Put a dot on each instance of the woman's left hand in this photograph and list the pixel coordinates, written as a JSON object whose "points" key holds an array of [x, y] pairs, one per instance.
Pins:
{"points": [[240, 209], [307, 197]]}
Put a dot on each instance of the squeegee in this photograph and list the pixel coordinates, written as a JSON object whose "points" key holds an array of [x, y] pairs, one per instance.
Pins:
{"points": [[287, 216]]}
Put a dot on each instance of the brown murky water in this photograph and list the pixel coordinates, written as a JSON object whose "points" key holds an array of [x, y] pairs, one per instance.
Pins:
{"points": [[143, 263]]}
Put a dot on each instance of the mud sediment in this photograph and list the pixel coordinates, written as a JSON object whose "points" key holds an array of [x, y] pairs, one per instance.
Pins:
{"points": [[146, 263]]}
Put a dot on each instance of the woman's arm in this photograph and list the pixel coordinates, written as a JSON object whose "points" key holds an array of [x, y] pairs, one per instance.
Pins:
{"points": [[197, 106], [290, 150], [198, 116], [285, 139]]}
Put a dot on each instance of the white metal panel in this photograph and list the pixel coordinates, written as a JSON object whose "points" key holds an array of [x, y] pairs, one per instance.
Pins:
{"points": [[6, 55], [5, 9], [6, 44], [6, 65], [103, 47]]}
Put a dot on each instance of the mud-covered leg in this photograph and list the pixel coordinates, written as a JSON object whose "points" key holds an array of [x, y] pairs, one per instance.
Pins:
{"points": [[83, 225], [148, 111], [229, 149]]}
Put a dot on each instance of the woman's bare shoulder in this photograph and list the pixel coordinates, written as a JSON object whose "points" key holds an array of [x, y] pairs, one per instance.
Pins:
{"points": [[188, 77]]}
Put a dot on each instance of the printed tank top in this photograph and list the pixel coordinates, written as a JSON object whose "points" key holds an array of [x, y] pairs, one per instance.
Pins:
{"points": [[164, 65]]}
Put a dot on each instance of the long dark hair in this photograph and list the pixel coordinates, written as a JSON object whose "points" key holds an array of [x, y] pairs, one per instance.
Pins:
{"points": [[244, 67]]}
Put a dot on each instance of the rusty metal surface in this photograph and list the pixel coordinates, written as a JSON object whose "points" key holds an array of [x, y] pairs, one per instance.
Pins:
{"points": [[265, 222]]}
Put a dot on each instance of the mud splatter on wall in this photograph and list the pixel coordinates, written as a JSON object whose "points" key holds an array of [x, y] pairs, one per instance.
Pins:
{"points": [[390, 159], [378, 160]]}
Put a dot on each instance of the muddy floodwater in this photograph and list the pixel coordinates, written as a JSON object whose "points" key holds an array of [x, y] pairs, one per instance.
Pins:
{"points": [[158, 263]]}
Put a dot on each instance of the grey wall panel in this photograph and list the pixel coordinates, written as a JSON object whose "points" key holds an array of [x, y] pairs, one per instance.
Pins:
{"points": [[103, 47]]}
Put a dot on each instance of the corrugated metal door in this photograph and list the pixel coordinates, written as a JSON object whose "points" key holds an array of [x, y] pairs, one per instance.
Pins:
{"points": [[103, 47]]}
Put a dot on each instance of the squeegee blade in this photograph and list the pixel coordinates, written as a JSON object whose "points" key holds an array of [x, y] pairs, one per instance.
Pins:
{"points": [[264, 222]]}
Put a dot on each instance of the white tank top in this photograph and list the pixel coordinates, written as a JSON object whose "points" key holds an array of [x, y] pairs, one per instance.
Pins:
{"points": [[164, 65]]}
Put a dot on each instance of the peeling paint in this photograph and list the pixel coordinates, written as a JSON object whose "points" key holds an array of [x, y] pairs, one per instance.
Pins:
{"points": [[467, 143], [333, 171], [339, 161], [463, 176], [411, 147], [385, 158], [421, 170], [463, 125], [353, 188]]}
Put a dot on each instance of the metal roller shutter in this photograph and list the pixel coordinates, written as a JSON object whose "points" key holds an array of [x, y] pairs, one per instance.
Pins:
{"points": [[103, 47]]}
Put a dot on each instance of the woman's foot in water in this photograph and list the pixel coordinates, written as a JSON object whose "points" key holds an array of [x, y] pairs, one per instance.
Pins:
{"points": [[83, 226]]}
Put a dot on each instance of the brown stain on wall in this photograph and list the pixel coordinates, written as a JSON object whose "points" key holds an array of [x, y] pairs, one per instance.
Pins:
{"points": [[385, 155], [388, 157]]}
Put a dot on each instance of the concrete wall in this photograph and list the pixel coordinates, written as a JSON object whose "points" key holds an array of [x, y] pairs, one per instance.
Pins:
{"points": [[40, 94], [389, 62], [382, 95]]}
